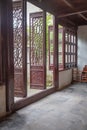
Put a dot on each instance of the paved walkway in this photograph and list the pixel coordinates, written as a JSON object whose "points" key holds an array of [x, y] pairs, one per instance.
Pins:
{"points": [[65, 110]]}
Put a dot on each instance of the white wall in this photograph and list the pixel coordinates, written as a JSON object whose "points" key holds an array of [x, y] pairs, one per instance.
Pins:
{"points": [[65, 78], [31, 9], [82, 47], [2, 101]]}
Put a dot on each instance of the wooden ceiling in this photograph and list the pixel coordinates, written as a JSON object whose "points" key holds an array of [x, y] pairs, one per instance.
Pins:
{"points": [[73, 10]]}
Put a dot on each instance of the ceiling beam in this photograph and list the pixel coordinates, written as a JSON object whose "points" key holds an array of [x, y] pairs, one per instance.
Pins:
{"points": [[73, 8], [67, 3], [85, 18], [65, 21], [70, 14]]}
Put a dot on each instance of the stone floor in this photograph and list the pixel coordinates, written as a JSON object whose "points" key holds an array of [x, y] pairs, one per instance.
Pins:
{"points": [[65, 110]]}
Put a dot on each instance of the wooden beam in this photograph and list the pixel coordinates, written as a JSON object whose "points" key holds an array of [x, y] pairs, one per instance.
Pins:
{"points": [[66, 22], [67, 3], [85, 18], [73, 8], [70, 14]]}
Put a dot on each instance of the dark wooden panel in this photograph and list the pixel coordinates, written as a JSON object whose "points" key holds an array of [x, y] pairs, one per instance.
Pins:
{"points": [[7, 40], [0, 48], [20, 87], [56, 55]]}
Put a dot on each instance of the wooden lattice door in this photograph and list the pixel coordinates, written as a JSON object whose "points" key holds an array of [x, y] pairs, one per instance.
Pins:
{"points": [[37, 49], [19, 49]]}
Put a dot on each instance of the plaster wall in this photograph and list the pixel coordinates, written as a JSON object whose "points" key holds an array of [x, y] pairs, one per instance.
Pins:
{"points": [[31, 9], [65, 78], [82, 47]]}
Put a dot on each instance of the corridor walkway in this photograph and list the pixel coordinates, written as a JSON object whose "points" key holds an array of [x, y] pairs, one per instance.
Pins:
{"points": [[64, 110]]}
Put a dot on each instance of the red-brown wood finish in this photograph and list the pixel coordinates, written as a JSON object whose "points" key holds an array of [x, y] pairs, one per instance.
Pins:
{"points": [[68, 13], [19, 39], [0, 48], [7, 47], [37, 49], [56, 55], [51, 44], [70, 47]]}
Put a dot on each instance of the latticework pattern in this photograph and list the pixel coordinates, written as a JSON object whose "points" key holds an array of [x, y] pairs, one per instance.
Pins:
{"points": [[17, 31], [36, 41]]}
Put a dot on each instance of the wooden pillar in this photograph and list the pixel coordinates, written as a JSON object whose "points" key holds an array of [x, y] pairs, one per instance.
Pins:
{"points": [[10, 60], [24, 22], [64, 48], [7, 42], [0, 48], [76, 57], [56, 68], [44, 46]]}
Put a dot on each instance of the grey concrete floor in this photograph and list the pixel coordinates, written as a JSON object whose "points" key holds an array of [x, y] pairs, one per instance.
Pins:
{"points": [[65, 110]]}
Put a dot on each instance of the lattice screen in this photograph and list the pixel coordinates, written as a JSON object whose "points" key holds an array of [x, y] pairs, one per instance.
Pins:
{"points": [[37, 73], [17, 31], [19, 49], [36, 40]]}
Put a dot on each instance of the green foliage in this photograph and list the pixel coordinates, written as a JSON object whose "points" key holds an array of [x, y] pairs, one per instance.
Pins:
{"points": [[49, 22], [49, 19]]}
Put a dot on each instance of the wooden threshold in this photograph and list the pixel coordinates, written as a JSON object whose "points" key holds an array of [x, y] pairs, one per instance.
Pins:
{"points": [[29, 100]]}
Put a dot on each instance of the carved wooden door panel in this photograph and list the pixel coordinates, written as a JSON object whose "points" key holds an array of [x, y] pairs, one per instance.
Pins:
{"points": [[37, 69], [19, 50]]}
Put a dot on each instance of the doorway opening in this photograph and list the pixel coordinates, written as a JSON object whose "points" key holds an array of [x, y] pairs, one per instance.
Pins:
{"points": [[32, 73]]}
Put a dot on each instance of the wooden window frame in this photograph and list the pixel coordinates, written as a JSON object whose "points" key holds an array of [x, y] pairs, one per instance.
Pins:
{"points": [[70, 48], [60, 30]]}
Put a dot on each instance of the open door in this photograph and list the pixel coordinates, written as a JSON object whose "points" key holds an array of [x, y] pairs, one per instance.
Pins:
{"points": [[19, 41], [37, 51]]}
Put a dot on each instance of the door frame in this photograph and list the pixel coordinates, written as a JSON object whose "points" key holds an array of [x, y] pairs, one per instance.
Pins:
{"points": [[9, 67], [7, 40]]}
